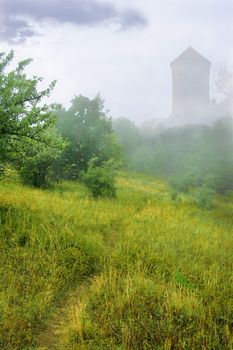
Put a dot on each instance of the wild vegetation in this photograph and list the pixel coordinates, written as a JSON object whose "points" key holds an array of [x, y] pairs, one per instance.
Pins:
{"points": [[28, 139], [158, 271], [189, 156], [95, 256]]}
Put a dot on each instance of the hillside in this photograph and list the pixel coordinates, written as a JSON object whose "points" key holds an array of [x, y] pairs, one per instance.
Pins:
{"points": [[143, 271]]}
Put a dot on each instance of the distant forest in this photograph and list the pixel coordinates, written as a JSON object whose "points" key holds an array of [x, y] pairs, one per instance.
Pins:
{"points": [[187, 156]]}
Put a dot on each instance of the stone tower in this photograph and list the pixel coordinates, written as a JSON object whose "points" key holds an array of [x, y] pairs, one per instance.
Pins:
{"points": [[190, 86]]}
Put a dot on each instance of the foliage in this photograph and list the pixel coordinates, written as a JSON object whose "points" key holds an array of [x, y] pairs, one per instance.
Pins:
{"points": [[183, 183], [141, 271], [35, 167], [204, 198], [23, 116], [27, 138], [221, 180], [100, 179], [187, 156], [88, 130]]}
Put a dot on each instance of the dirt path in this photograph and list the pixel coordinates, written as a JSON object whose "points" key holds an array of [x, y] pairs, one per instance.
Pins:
{"points": [[50, 338]]}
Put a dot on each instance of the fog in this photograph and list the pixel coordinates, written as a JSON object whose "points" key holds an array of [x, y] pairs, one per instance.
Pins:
{"points": [[122, 49], [116, 174], [191, 103], [164, 93]]}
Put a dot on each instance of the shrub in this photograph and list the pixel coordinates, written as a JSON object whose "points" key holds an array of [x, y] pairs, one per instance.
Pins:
{"points": [[174, 195], [221, 180], [183, 183], [35, 174], [100, 179], [204, 198]]}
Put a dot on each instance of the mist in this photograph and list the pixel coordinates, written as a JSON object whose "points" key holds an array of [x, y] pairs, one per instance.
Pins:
{"points": [[116, 174], [193, 146], [177, 100], [122, 49]]}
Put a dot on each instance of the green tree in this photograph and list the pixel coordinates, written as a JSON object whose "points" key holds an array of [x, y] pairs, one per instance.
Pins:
{"points": [[24, 118], [88, 130], [35, 167]]}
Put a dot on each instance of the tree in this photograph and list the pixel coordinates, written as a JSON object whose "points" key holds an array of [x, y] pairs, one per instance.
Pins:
{"points": [[88, 130], [24, 119], [35, 167]]}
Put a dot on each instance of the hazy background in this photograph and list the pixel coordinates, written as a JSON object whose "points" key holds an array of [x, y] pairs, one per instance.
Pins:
{"points": [[120, 48]]}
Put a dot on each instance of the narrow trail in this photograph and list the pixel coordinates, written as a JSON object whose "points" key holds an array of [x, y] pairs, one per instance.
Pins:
{"points": [[52, 335], [50, 338]]}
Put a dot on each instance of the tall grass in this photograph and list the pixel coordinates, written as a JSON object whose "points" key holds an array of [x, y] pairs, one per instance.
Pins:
{"points": [[49, 243], [160, 271]]}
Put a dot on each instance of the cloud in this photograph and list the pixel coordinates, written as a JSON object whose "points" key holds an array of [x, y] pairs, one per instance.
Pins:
{"points": [[17, 16]]}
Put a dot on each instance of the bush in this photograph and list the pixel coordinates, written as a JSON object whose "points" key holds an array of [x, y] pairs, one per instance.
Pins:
{"points": [[204, 198], [35, 175], [183, 183], [100, 179], [174, 195], [221, 181]]}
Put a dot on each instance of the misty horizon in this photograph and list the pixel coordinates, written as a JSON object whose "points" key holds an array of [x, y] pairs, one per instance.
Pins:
{"points": [[122, 49]]}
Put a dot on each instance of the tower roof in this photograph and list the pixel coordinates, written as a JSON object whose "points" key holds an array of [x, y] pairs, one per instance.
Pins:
{"points": [[190, 55]]}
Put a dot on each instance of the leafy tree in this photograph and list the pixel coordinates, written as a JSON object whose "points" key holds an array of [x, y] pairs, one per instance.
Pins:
{"points": [[88, 130], [35, 167], [24, 119]]}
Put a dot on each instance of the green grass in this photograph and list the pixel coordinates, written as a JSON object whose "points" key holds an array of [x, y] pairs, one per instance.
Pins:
{"points": [[139, 272]]}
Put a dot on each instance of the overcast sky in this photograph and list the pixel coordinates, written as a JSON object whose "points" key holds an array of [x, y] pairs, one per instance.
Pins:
{"points": [[120, 48]]}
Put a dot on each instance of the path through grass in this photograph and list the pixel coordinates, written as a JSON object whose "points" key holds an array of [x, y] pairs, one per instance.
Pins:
{"points": [[159, 271]]}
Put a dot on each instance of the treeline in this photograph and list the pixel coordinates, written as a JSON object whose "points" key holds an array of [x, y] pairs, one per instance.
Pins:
{"points": [[48, 142], [190, 156]]}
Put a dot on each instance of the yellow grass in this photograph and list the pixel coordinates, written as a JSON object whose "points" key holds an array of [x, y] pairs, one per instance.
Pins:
{"points": [[159, 271]]}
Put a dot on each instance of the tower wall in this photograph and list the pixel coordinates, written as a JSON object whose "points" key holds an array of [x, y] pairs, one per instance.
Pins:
{"points": [[190, 86]]}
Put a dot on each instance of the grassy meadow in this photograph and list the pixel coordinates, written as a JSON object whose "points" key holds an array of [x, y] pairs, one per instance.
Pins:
{"points": [[143, 271]]}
